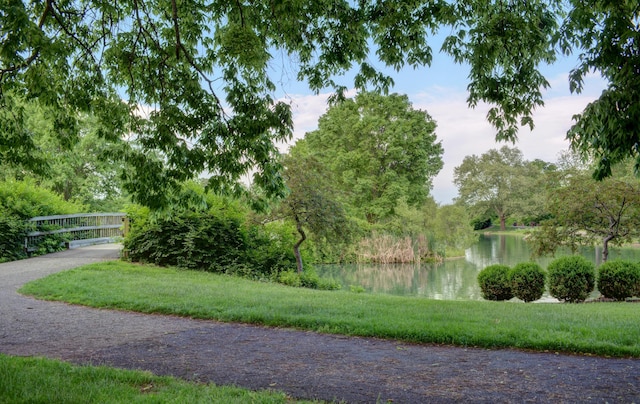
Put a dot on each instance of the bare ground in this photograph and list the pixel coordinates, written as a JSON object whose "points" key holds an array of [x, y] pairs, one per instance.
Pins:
{"points": [[302, 364]]}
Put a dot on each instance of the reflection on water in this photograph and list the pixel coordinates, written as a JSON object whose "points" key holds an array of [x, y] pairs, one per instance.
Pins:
{"points": [[454, 279]]}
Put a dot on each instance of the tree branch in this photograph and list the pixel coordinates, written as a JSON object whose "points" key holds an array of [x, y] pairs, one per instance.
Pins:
{"points": [[176, 27], [36, 52]]}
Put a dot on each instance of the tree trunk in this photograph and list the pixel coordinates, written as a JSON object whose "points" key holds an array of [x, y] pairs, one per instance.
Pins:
{"points": [[296, 246], [605, 247], [503, 222]]}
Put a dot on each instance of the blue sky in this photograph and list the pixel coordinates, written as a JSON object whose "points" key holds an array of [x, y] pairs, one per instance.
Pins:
{"points": [[441, 91]]}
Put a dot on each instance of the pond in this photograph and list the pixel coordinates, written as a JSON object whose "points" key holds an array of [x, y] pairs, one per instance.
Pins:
{"points": [[453, 279]]}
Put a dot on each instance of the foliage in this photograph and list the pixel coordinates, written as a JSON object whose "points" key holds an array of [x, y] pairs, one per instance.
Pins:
{"points": [[209, 232], [495, 283], [308, 279], [504, 44], [527, 281], [21, 201], [388, 249], [193, 241], [585, 211], [480, 223], [607, 35], [12, 234], [619, 279], [310, 204], [378, 151], [188, 91], [24, 200], [495, 181], [269, 248], [76, 167], [452, 231], [597, 328], [571, 278], [290, 278]]}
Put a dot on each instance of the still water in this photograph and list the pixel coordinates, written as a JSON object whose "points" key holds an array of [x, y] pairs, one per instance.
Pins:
{"points": [[453, 279]]}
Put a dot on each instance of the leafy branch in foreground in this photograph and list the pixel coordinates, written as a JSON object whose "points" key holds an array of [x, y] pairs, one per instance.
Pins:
{"points": [[188, 83]]}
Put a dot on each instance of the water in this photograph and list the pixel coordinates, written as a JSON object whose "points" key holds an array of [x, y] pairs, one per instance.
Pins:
{"points": [[454, 279]]}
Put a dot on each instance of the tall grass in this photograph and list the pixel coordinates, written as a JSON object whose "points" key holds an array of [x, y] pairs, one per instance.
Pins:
{"points": [[594, 328], [388, 249]]}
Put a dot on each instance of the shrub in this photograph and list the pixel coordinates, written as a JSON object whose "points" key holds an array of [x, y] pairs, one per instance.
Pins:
{"points": [[194, 241], [210, 242], [307, 279], [20, 201], [481, 223], [12, 233], [25, 200], [289, 278], [494, 282], [619, 279], [269, 249], [527, 281], [571, 278]]}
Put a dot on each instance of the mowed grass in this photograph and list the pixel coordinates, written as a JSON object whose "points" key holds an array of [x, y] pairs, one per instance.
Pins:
{"points": [[39, 380], [608, 329]]}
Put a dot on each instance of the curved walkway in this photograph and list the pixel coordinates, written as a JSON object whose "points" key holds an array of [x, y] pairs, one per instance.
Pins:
{"points": [[303, 364]]}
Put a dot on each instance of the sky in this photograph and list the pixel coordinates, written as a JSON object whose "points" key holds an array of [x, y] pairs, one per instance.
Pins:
{"points": [[441, 91]]}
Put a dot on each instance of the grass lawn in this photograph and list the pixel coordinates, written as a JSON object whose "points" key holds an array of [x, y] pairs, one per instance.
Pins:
{"points": [[611, 329], [39, 380]]}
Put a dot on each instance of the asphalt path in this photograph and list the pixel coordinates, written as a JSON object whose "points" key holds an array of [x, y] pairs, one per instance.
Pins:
{"points": [[303, 364]]}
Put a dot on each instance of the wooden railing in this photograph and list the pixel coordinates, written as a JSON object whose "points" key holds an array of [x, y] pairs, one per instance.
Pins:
{"points": [[77, 229]]}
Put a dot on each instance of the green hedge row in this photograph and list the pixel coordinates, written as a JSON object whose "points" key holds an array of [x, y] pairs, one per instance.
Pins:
{"points": [[570, 279]]}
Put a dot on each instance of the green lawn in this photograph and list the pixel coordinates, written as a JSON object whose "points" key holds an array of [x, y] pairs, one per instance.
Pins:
{"points": [[39, 380], [594, 328]]}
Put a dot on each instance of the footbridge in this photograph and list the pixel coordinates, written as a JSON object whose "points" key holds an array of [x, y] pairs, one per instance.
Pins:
{"points": [[76, 230]]}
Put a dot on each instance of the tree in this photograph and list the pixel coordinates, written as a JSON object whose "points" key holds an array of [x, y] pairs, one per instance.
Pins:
{"points": [[76, 168], [310, 204], [379, 151], [493, 181], [200, 70], [452, 229], [539, 177], [586, 211]]}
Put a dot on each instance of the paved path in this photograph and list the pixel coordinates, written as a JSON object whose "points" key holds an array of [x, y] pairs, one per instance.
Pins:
{"points": [[304, 364]]}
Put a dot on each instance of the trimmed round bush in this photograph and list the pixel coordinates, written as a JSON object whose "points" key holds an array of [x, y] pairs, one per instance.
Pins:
{"points": [[571, 278], [619, 279], [494, 282], [527, 281]]}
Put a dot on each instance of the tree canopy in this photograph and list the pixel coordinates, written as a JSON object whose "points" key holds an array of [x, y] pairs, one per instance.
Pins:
{"points": [[188, 82], [494, 181], [379, 151]]}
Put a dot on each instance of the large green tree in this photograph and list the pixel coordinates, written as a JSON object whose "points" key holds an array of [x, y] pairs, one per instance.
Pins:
{"points": [[494, 181], [379, 151], [200, 72]]}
